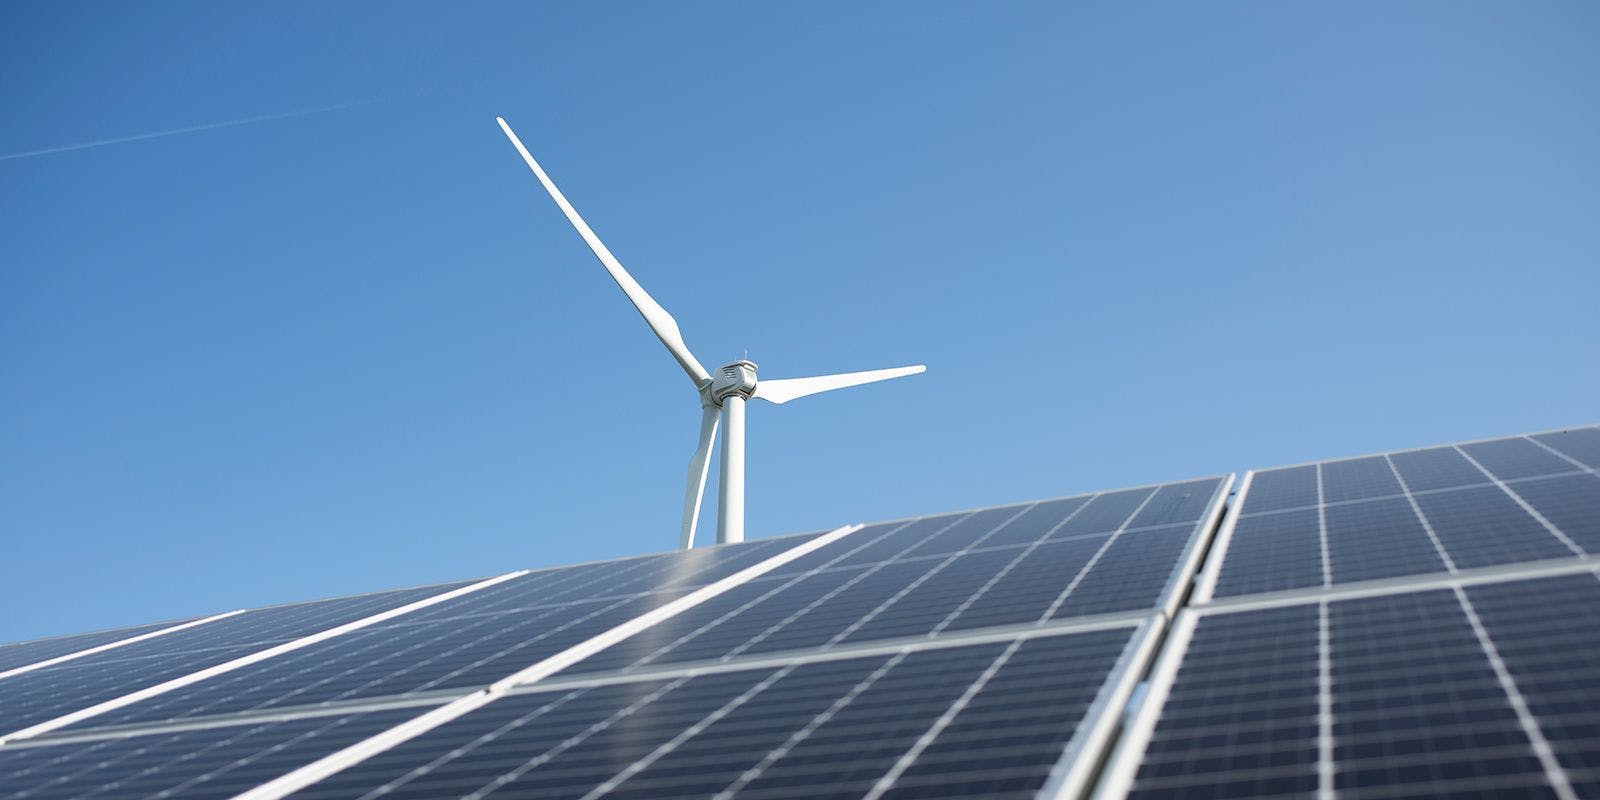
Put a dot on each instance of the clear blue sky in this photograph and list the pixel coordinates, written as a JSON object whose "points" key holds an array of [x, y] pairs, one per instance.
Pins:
{"points": [[360, 349]]}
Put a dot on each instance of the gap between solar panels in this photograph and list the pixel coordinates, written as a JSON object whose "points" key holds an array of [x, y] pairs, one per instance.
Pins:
{"points": [[244, 661]]}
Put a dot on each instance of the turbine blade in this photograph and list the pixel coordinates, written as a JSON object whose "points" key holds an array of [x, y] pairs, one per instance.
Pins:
{"points": [[696, 490], [785, 389], [665, 327]]}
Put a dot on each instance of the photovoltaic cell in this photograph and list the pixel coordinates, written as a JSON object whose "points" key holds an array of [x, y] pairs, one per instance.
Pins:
{"points": [[1436, 468], [191, 765], [986, 720], [1379, 539], [47, 693], [470, 641], [1358, 479], [1280, 489], [1272, 552], [1241, 717]]}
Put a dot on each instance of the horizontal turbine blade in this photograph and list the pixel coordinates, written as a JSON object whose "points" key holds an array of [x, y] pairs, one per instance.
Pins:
{"points": [[783, 390], [696, 489], [665, 327]]}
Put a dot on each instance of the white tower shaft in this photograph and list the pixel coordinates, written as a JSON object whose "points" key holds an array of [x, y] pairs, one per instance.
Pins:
{"points": [[730, 503]]}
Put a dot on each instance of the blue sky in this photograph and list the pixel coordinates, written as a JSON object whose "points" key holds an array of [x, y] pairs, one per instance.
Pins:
{"points": [[360, 349]]}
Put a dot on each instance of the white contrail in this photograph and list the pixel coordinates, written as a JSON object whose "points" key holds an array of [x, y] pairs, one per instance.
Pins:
{"points": [[195, 128]]}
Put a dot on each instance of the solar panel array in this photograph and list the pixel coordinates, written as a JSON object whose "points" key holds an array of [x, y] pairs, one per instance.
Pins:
{"points": [[1413, 623], [1422, 623]]}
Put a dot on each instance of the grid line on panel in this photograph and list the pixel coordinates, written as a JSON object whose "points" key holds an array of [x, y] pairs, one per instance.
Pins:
{"points": [[1322, 531], [1095, 559], [574, 741], [872, 570], [944, 720], [1442, 490], [482, 739], [1569, 459], [114, 644], [810, 727], [1433, 536], [786, 584], [655, 755], [458, 644], [1530, 727], [925, 577], [983, 590], [1533, 512], [243, 660]]}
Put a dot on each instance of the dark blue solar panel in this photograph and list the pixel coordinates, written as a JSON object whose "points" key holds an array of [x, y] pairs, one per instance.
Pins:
{"points": [[1175, 503], [945, 576], [1378, 539], [1106, 513], [1417, 708], [1131, 574], [1571, 503], [470, 641], [192, 765], [1279, 489], [42, 695], [1482, 526], [1436, 468], [1036, 522], [1241, 717], [1272, 552], [1509, 459], [808, 730], [1547, 632], [1358, 479], [1582, 444], [22, 654], [1031, 585]]}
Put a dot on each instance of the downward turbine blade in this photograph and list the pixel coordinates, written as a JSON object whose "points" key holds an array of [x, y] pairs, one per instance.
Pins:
{"points": [[783, 390], [696, 490], [665, 327]]}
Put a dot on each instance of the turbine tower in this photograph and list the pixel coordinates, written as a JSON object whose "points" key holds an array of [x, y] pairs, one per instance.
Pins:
{"points": [[722, 396]]}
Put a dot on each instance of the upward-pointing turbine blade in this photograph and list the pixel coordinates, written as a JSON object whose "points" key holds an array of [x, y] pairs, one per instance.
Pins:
{"points": [[665, 327], [697, 476], [783, 390]]}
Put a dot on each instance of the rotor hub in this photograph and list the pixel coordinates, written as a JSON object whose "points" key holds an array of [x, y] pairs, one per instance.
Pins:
{"points": [[737, 378]]}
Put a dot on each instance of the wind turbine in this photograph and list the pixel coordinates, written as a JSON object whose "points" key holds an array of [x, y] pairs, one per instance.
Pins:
{"points": [[722, 395]]}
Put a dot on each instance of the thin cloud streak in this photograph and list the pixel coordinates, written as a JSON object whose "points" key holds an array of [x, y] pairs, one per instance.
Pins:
{"points": [[210, 126]]}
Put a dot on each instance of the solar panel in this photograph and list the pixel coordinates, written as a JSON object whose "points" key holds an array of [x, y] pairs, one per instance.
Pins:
{"points": [[208, 762], [42, 695], [23, 654], [1430, 633], [1114, 552], [978, 720], [1436, 510], [1412, 623], [1453, 688], [470, 641]]}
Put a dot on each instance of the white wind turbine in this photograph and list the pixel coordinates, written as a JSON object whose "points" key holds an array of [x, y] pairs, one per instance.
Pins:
{"points": [[723, 394]]}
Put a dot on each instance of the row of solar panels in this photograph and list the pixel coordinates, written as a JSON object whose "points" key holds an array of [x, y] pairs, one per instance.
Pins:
{"points": [[979, 654]]}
